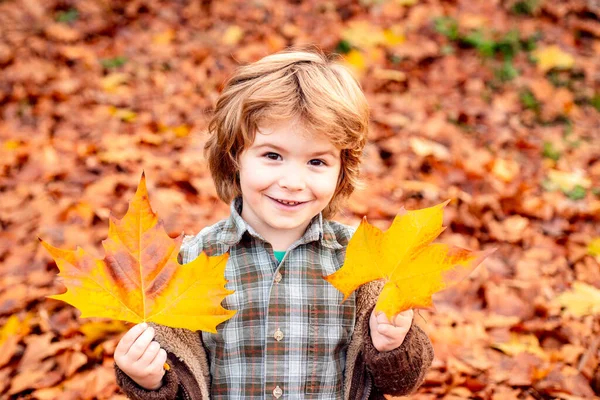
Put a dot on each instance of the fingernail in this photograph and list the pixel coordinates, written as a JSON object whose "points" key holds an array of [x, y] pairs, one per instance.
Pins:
{"points": [[144, 325]]}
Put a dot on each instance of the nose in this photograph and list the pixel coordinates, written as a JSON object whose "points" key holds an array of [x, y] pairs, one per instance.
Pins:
{"points": [[292, 180]]}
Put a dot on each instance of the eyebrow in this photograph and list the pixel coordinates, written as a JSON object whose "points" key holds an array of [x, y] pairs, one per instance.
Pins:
{"points": [[282, 150]]}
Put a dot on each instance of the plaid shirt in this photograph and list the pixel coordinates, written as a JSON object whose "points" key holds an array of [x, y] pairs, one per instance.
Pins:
{"points": [[289, 336]]}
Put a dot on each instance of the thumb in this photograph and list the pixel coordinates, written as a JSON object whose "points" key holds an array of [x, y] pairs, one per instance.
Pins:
{"points": [[382, 318]]}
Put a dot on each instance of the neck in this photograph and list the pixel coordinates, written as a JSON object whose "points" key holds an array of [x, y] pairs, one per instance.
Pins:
{"points": [[282, 241], [280, 238]]}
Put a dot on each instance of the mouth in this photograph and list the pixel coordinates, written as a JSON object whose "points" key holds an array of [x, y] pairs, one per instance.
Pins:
{"points": [[288, 203]]}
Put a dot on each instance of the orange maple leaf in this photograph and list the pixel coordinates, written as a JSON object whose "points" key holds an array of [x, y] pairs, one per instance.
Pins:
{"points": [[140, 278], [412, 267]]}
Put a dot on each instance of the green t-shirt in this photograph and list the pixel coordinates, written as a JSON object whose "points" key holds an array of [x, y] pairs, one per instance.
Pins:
{"points": [[279, 255]]}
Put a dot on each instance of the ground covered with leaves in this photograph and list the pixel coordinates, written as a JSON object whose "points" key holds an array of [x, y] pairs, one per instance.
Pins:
{"points": [[493, 104]]}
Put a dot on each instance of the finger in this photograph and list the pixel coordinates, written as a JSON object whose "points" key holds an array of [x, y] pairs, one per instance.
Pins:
{"points": [[382, 318], [141, 343], [382, 329], [159, 360], [372, 319], [403, 317], [390, 332], [129, 337], [149, 355]]}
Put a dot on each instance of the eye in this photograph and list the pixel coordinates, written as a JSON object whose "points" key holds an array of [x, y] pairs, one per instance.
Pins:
{"points": [[317, 162], [272, 156]]}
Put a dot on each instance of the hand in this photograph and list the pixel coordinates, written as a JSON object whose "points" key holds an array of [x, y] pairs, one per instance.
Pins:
{"points": [[386, 335], [140, 357]]}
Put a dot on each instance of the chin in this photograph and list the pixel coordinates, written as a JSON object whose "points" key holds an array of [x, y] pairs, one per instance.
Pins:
{"points": [[286, 226]]}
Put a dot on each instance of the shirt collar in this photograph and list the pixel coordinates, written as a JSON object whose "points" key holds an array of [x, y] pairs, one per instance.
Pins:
{"points": [[235, 227]]}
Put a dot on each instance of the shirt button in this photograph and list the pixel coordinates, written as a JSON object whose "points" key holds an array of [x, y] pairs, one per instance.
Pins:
{"points": [[278, 335], [277, 392], [278, 277]]}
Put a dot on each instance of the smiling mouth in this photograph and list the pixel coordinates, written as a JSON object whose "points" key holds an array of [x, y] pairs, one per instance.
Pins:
{"points": [[287, 203]]}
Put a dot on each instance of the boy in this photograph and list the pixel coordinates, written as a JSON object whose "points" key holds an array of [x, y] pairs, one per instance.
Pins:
{"points": [[285, 146]]}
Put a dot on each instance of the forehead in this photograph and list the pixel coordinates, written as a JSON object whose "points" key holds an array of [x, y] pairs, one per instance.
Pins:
{"points": [[291, 134]]}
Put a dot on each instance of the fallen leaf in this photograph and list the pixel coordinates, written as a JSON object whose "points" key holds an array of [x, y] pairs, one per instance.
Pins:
{"points": [[389, 74], [363, 34], [232, 35], [71, 361], [566, 380], [552, 57], [505, 169], [124, 114], [424, 148], [10, 328], [111, 82], [33, 378], [521, 343], [81, 212], [96, 330], [181, 131], [48, 393], [140, 278], [164, 38], [412, 267], [39, 347], [61, 33], [356, 60], [393, 36], [581, 300], [594, 247], [512, 229], [567, 181], [4, 379], [8, 349]]}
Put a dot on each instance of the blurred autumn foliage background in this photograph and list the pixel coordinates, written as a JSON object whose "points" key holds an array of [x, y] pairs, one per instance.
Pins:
{"points": [[493, 104]]}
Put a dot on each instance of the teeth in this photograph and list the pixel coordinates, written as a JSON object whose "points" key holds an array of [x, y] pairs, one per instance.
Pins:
{"points": [[289, 203]]}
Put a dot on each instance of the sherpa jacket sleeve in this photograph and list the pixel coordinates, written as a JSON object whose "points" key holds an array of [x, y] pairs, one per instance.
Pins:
{"points": [[401, 371], [178, 384]]}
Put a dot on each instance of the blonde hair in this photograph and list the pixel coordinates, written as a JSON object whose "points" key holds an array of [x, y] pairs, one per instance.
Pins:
{"points": [[294, 83]]}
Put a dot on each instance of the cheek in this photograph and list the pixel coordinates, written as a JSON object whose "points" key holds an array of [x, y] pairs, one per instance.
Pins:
{"points": [[326, 185], [254, 177]]}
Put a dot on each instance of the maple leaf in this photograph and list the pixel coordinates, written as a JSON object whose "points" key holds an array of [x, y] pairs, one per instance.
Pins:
{"points": [[521, 343], [412, 267], [140, 278], [581, 300], [553, 57]]}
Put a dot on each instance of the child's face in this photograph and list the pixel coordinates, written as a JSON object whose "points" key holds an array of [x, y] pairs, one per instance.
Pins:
{"points": [[287, 164]]}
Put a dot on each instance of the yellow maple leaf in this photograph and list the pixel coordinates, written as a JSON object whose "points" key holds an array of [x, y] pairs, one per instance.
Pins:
{"points": [[97, 330], [366, 35], [393, 37], [124, 114], [13, 326], [111, 83], [11, 145], [581, 300], [521, 344], [594, 247], [553, 57], [412, 267], [164, 38], [505, 169], [567, 181], [140, 278], [232, 35], [10, 328], [356, 59]]}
